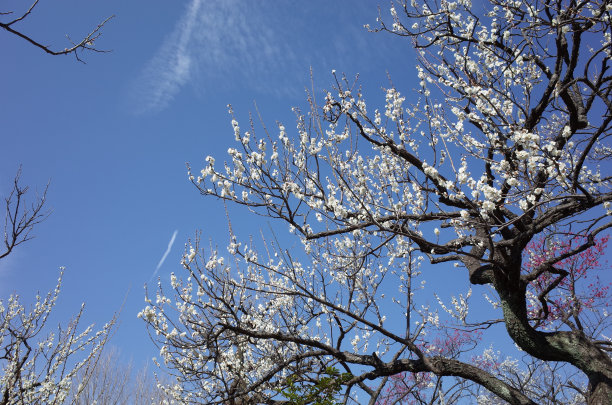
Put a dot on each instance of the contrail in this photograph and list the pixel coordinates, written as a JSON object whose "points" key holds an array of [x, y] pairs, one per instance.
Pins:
{"points": [[165, 254]]}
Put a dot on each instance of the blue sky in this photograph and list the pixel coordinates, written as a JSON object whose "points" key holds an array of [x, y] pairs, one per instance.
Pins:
{"points": [[113, 135]]}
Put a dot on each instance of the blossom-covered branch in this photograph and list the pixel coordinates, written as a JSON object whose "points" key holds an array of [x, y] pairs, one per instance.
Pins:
{"points": [[504, 145]]}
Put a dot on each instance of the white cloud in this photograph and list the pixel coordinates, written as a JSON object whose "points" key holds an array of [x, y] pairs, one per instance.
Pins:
{"points": [[215, 41], [170, 68], [258, 46]]}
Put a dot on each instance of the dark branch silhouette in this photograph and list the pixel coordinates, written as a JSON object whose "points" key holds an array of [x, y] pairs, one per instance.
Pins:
{"points": [[87, 43], [20, 218]]}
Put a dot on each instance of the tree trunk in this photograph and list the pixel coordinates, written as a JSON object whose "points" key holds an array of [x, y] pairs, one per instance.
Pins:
{"points": [[573, 347], [600, 391]]}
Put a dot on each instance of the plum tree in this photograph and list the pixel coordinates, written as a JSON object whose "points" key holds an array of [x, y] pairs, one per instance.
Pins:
{"points": [[506, 144], [37, 362]]}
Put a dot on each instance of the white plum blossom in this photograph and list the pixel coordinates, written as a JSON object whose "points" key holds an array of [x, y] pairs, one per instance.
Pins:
{"points": [[40, 363]]}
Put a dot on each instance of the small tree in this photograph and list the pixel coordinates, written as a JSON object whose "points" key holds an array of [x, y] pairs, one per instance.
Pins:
{"points": [[320, 392], [502, 153], [37, 365], [37, 362], [113, 381]]}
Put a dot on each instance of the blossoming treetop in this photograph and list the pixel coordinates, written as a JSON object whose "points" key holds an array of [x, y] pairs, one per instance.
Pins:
{"points": [[504, 145]]}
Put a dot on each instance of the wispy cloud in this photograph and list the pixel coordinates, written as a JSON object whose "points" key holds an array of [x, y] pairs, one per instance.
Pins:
{"points": [[166, 253], [212, 42], [170, 68], [237, 44]]}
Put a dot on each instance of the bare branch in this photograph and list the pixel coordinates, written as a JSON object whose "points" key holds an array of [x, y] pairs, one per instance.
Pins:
{"points": [[20, 219], [87, 43]]}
